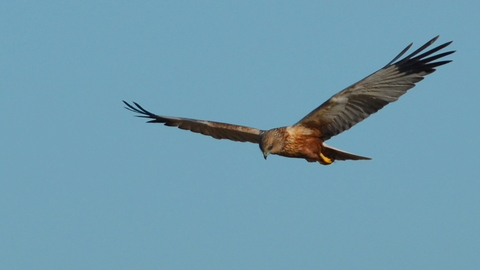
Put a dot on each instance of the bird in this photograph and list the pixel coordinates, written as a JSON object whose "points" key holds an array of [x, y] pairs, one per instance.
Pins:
{"points": [[306, 138]]}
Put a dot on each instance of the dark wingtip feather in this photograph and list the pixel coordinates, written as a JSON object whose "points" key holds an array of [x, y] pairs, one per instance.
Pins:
{"points": [[434, 50], [140, 110], [419, 61], [130, 107], [399, 55]]}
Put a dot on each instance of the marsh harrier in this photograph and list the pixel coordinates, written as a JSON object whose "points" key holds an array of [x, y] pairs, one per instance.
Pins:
{"points": [[306, 139]]}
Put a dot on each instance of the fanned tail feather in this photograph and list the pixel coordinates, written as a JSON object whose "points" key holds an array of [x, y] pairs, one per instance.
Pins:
{"points": [[337, 154]]}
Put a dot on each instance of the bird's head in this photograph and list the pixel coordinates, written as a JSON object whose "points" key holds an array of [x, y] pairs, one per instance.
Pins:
{"points": [[270, 142]]}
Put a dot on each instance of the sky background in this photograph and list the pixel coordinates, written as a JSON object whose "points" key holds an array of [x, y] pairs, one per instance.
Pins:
{"points": [[85, 185]]}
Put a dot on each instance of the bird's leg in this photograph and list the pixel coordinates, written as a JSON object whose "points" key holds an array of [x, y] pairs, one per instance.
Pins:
{"points": [[325, 160]]}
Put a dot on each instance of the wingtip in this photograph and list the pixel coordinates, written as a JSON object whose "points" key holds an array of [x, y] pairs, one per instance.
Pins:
{"points": [[431, 41], [445, 44], [129, 107]]}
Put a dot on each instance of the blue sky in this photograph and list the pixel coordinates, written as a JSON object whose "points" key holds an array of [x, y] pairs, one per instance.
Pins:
{"points": [[84, 185]]}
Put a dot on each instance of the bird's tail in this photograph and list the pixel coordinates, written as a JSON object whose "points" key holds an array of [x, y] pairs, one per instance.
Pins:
{"points": [[330, 154]]}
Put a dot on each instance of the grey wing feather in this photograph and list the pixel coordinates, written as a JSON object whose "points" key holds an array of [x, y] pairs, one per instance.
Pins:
{"points": [[357, 102], [216, 130]]}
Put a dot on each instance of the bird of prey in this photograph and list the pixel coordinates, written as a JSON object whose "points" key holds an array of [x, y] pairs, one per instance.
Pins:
{"points": [[306, 138]]}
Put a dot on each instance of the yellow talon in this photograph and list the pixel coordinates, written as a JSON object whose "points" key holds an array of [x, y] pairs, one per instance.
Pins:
{"points": [[325, 160]]}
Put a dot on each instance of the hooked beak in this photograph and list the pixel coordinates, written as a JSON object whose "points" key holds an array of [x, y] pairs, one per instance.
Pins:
{"points": [[265, 155]]}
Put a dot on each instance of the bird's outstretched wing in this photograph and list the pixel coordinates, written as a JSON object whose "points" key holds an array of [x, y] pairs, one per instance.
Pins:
{"points": [[214, 129], [357, 102]]}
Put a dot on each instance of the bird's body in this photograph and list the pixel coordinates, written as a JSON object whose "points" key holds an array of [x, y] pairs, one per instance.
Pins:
{"points": [[302, 142], [306, 139]]}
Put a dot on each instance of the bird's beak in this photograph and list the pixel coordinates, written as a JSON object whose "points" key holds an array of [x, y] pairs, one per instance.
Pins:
{"points": [[265, 155]]}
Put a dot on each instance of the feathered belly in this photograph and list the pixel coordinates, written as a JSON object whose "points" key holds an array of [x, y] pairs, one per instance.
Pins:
{"points": [[306, 147]]}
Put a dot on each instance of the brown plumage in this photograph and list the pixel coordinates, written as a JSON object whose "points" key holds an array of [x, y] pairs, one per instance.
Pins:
{"points": [[305, 139]]}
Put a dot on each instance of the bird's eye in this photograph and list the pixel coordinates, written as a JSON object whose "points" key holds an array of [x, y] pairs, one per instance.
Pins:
{"points": [[270, 147]]}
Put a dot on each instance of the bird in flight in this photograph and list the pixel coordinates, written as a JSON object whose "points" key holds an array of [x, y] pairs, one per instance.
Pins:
{"points": [[306, 138]]}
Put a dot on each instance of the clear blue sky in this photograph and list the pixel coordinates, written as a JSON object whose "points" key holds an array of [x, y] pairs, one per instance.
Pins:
{"points": [[85, 185]]}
